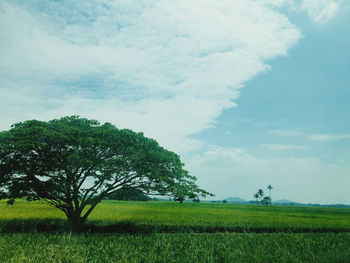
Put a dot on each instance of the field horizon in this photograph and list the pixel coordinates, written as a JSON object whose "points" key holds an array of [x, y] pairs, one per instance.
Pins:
{"points": [[173, 217]]}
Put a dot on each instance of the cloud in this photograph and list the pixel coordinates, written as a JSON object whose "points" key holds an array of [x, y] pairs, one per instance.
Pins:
{"points": [[312, 137], [328, 137], [237, 172], [279, 3], [222, 157], [321, 11], [168, 68], [283, 147]]}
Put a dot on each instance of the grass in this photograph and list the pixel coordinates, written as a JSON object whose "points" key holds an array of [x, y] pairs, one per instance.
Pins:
{"points": [[171, 232], [219, 247], [155, 217]]}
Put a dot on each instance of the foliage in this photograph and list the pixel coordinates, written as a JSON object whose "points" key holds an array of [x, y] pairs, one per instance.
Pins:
{"points": [[266, 200], [269, 187], [73, 163], [5, 165], [129, 194], [187, 190], [256, 196]]}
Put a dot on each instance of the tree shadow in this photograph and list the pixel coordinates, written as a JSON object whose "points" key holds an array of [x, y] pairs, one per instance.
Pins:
{"points": [[34, 225]]}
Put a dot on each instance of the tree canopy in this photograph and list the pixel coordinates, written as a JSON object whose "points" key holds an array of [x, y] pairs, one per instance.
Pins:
{"points": [[129, 194], [73, 163], [5, 165]]}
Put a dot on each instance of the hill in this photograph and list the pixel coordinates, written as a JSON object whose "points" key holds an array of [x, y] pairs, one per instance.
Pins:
{"points": [[236, 200]]}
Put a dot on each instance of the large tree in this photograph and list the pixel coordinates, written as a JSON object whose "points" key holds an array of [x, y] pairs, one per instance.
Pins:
{"points": [[5, 166], [129, 194], [73, 163]]}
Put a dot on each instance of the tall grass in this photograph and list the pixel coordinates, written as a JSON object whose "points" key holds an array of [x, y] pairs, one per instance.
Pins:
{"points": [[175, 248], [152, 217], [199, 233]]}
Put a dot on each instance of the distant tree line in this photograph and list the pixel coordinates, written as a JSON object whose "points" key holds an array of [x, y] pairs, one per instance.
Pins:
{"points": [[261, 198]]}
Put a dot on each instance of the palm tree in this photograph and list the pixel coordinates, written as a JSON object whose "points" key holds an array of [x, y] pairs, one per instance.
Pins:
{"points": [[256, 196], [269, 187], [260, 193]]}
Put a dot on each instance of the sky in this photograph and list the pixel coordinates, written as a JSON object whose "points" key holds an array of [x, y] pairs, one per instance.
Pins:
{"points": [[248, 92]]}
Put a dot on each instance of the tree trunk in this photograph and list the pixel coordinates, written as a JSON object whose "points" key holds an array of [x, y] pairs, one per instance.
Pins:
{"points": [[76, 223]]}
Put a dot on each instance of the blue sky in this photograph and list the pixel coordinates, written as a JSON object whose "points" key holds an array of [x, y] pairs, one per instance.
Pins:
{"points": [[305, 93], [248, 92]]}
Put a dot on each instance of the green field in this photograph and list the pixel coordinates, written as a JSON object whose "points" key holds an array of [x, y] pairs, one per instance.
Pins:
{"points": [[171, 232], [218, 247], [146, 217]]}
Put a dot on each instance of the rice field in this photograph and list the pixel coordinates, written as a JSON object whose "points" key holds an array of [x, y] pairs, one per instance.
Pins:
{"points": [[163, 216], [218, 247], [170, 232]]}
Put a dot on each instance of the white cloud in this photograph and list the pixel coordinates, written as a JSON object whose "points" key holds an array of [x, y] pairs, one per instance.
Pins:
{"points": [[283, 147], [278, 3], [168, 68], [236, 172], [328, 137], [312, 137], [321, 11], [222, 157]]}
